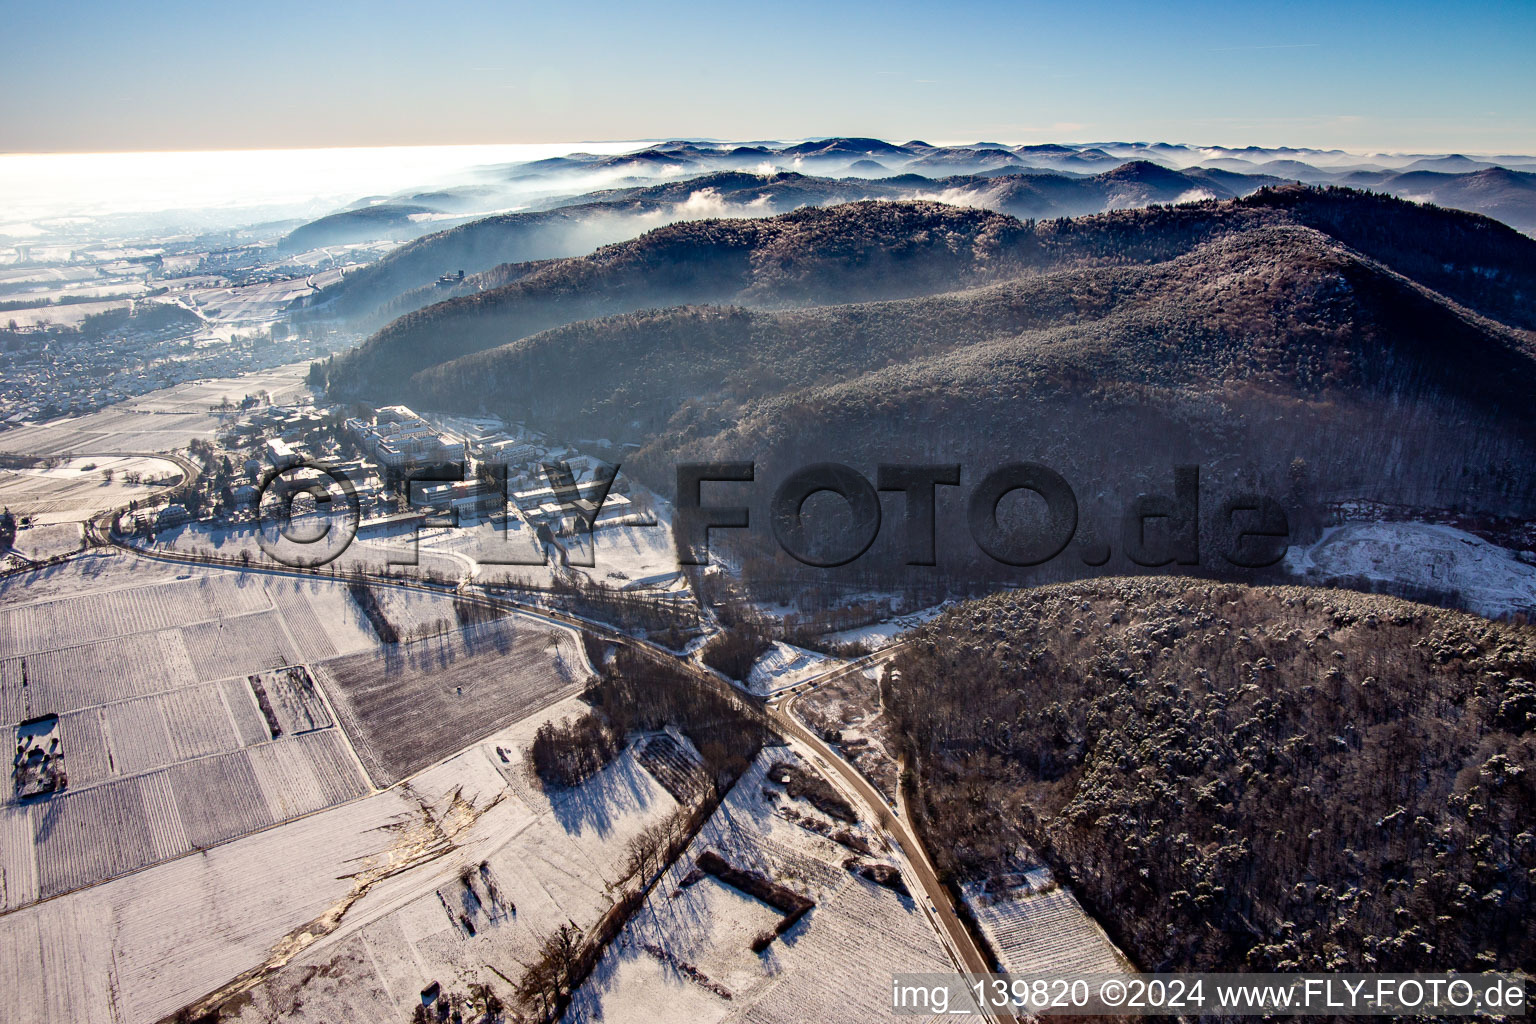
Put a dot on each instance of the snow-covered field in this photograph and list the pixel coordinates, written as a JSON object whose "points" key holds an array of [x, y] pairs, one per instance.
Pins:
{"points": [[408, 705], [349, 908], [78, 488], [686, 953], [165, 744], [633, 556], [782, 666], [1486, 578], [1040, 928], [624, 556], [548, 859], [41, 543], [394, 554]]}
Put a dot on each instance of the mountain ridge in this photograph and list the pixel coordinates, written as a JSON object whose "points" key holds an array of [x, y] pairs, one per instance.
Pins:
{"points": [[1248, 337], [730, 261]]}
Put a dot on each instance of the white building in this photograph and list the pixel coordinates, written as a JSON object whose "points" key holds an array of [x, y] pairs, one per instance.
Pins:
{"points": [[399, 437], [281, 454]]}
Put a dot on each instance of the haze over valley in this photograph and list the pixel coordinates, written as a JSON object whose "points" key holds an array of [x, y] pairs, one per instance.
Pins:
{"points": [[687, 579]]}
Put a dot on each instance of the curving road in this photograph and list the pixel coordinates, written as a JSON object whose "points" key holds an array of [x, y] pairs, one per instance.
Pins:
{"points": [[958, 940], [98, 529]]}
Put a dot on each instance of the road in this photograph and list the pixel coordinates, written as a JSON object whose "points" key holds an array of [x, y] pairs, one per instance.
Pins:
{"points": [[962, 946], [98, 530], [956, 937]]}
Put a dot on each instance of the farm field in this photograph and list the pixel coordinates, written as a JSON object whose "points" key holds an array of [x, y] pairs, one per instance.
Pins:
{"points": [[289, 701], [374, 888], [65, 622], [164, 740], [535, 861], [321, 617], [68, 314], [161, 421], [410, 704], [169, 752], [135, 949], [78, 488], [122, 824], [1044, 931], [689, 944], [170, 933], [98, 570]]}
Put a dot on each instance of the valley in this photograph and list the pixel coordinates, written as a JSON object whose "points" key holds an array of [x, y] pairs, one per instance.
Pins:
{"points": [[1109, 558]]}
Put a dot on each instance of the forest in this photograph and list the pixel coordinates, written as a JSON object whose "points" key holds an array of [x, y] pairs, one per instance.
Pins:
{"points": [[1313, 345], [636, 691], [1238, 778]]}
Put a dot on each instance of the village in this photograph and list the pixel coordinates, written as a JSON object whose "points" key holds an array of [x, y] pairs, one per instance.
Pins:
{"points": [[400, 472]]}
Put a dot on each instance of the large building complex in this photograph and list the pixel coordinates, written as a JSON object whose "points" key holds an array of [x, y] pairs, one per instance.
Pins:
{"points": [[398, 437]]}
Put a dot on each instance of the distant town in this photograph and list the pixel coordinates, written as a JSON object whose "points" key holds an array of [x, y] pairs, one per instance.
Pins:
{"points": [[89, 326]]}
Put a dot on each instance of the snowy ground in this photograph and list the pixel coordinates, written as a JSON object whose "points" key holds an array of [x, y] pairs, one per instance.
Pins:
{"points": [[484, 547], [169, 747], [686, 954], [782, 666], [549, 858], [41, 543], [166, 743], [882, 634], [1038, 927], [1486, 578], [634, 556], [78, 489], [395, 554], [353, 910]]}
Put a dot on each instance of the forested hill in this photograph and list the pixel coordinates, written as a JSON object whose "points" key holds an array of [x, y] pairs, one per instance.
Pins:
{"points": [[1232, 778], [480, 244], [860, 251], [1227, 336], [811, 256], [1311, 345], [579, 224]]}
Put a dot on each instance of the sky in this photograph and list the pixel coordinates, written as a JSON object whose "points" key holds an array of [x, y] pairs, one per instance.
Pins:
{"points": [[1403, 76]]}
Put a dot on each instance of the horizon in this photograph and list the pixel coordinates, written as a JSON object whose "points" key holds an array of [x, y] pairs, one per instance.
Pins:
{"points": [[788, 140], [249, 186], [231, 188]]}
